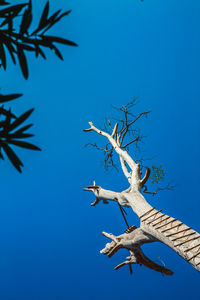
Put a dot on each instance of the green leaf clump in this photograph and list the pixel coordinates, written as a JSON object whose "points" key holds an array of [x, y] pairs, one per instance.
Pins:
{"points": [[158, 174]]}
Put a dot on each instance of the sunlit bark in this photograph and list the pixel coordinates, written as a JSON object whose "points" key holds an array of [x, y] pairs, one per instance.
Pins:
{"points": [[154, 225]]}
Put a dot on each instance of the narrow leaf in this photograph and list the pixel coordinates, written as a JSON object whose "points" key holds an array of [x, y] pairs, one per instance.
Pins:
{"points": [[26, 47], [21, 119], [10, 97], [14, 9], [4, 3], [14, 159], [26, 20], [11, 50], [19, 135], [55, 20], [58, 40], [22, 61], [38, 51], [6, 112], [24, 145], [43, 20], [24, 128], [53, 17], [3, 56], [57, 52], [63, 15]]}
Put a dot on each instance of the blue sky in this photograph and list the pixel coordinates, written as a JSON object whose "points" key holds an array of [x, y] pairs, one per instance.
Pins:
{"points": [[50, 235]]}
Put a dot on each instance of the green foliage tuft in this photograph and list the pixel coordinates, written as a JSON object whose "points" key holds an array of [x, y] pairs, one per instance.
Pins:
{"points": [[158, 174]]}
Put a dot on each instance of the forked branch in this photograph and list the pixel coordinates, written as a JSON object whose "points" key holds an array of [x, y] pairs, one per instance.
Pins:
{"points": [[132, 241], [138, 257], [116, 141], [106, 195], [122, 153]]}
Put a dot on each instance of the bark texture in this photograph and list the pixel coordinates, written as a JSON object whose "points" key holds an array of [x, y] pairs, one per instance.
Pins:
{"points": [[154, 225], [182, 239]]}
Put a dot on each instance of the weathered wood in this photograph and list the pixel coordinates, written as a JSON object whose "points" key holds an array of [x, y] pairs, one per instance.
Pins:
{"points": [[170, 231]]}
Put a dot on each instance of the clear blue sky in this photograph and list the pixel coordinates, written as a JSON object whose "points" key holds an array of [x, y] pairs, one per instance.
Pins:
{"points": [[50, 236]]}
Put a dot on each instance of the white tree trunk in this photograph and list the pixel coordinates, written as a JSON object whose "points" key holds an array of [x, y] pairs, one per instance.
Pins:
{"points": [[154, 225], [182, 239]]}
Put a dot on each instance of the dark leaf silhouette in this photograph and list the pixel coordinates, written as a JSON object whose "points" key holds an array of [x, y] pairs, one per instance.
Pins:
{"points": [[11, 49], [57, 52], [2, 56], [14, 159], [6, 112], [7, 122], [63, 15], [51, 39], [26, 21], [38, 51], [53, 20], [26, 47], [11, 134], [18, 40], [24, 145], [11, 12], [24, 128], [6, 98], [19, 135], [43, 20], [1, 155], [2, 124], [2, 2], [21, 119], [22, 61]]}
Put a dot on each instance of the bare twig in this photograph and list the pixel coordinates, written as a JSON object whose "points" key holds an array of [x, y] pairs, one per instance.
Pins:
{"points": [[168, 187], [122, 127]]}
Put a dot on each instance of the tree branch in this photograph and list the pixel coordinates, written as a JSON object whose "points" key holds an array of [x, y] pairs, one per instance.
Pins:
{"points": [[128, 240], [146, 177], [168, 187], [135, 179], [119, 151], [114, 130], [125, 170], [106, 195], [138, 257], [132, 241]]}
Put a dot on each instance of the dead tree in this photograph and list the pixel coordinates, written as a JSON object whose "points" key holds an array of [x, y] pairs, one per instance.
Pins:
{"points": [[155, 226]]}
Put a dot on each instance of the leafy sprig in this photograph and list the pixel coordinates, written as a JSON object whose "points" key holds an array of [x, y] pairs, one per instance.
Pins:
{"points": [[158, 174], [18, 38], [13, 132]]}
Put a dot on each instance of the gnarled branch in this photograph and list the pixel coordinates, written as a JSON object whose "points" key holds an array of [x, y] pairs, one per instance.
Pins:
{"points": [[132, 241]]}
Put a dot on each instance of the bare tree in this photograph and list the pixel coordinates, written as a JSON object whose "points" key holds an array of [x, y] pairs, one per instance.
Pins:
{"points": [[155, 226]]}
